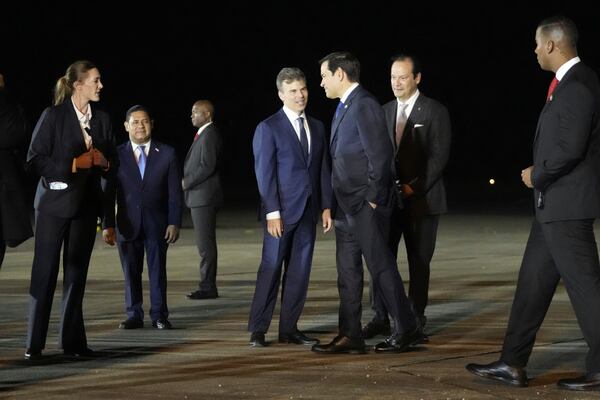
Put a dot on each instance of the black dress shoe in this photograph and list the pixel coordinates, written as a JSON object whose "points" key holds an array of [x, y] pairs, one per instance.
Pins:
{"points": [[131, 323], [341, 345], [32, 355], [86, 352], [202, 295], [373, 329], [257, 339], [162, 323], [500, 371], [399, 343], [584, 382], [297, 338]]}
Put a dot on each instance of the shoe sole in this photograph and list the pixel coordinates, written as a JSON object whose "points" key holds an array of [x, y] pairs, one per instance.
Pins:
{"points": [[285, 341], [341, 352]]}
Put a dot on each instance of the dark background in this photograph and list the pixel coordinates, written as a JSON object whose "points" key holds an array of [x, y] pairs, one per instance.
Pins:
{"points": [[478, 60]]}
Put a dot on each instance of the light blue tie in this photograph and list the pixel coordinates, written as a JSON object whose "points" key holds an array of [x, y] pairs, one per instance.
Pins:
{"points": [[142, 160]]}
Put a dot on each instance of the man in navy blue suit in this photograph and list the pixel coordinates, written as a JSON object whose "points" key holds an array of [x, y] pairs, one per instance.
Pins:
{"points": [[361, 159], [148, 217], [294, 180]]}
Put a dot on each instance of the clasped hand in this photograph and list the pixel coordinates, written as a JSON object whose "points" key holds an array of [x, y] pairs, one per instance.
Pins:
{"points": [[92, 157]]}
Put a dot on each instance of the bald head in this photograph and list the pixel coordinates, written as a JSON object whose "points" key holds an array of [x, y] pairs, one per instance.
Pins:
{"points": [[202, 113]]}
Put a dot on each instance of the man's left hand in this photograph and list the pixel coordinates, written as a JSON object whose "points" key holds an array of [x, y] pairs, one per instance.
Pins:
{"points": [[526, 177], [172, 234]]}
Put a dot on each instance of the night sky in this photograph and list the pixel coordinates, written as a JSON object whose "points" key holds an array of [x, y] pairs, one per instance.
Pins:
{"points": [[482, 68]]}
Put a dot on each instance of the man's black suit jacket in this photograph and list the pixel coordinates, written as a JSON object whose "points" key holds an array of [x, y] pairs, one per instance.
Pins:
{"points": [[566, 151], [423, 153], [57, 139]]}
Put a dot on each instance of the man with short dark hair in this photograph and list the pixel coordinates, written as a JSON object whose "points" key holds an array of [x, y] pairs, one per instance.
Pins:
{"points": [[148, 217], [419, 128], [565, 178], [361, 155]]}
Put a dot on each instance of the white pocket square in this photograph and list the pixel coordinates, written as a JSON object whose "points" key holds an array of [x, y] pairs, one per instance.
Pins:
{"points": [[418, 125]]}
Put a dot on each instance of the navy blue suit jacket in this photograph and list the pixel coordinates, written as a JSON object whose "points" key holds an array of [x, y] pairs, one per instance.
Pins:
{"points": [[361, 153], [151, 203], [285, 178]]}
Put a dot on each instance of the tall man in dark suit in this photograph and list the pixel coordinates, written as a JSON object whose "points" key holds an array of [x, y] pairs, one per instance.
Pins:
{"points": [[203, 195], [565, 178], [148, 217], [419, 128], [292, 169], [361, 154], [15, 205]]}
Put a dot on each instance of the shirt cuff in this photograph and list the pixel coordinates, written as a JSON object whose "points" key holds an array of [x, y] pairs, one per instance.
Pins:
{"points": [[274, 215], [74, 166]]}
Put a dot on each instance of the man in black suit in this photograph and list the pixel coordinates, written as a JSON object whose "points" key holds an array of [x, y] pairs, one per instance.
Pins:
{"points": [[419, 128], [148, 217], [361, 156], [203, 195], [565, 178], [72, 149], [15, 205]]}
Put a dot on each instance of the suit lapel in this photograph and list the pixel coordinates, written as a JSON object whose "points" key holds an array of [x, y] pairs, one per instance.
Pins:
{"points": [[314, 141], [74, 126], [391, 123], [128, 160], [340, 117], [153, 159], [415, 116]]}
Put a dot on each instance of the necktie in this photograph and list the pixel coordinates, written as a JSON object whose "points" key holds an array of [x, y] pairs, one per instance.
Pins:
{"points": [[551, 88], [303, 137], [400, 122], [142, 160], [338, 109], [87, 138], [196, 136]]}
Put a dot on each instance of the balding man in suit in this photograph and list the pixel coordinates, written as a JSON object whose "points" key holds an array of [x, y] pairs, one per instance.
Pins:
{"points": [[201, 185]]}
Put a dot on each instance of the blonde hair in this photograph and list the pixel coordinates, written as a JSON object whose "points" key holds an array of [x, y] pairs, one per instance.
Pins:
{"points": [[64, 85]]}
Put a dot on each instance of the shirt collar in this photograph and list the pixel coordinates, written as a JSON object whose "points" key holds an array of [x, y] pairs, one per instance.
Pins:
{"points": [[84, 119], [411, 100], [348, 91], [292, 115], [560, 73], [203, 127], [135, 146]]}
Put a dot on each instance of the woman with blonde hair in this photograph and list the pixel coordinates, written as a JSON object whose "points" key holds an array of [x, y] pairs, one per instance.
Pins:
{"points": [[72, 149]]}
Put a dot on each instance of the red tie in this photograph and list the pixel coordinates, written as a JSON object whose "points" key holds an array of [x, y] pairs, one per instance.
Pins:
{"points": [[551, 88], [196, 136]]}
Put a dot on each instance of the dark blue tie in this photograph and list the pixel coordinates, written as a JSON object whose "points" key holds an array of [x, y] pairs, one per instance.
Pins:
{"points": [[142, 160], [338, 109], [303, 137]]}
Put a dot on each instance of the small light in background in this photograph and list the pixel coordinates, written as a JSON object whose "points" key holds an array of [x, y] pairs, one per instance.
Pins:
{"points": [[492, 181]]}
